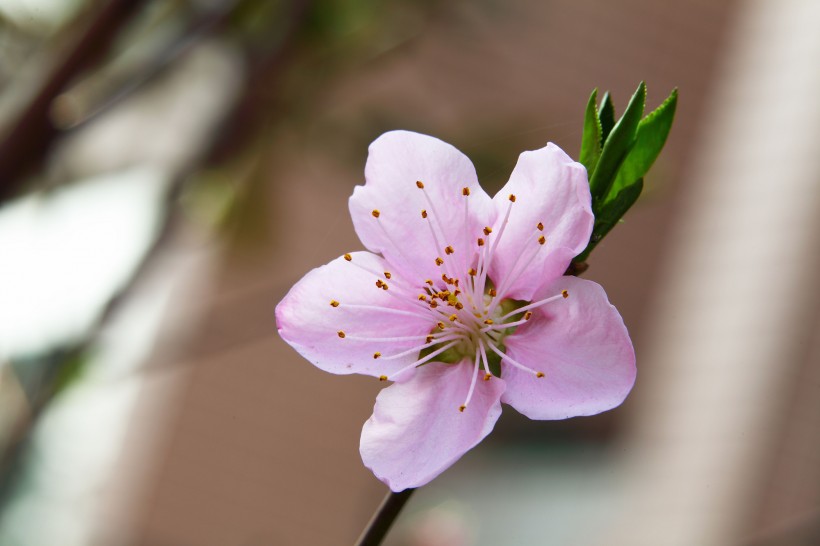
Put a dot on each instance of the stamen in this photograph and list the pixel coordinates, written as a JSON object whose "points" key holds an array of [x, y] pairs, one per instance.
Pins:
{"points": [[382, 378], [419, 184], [533, 305], [542, 240], [375, 213], [480, 241], [387, 339], [439, 261], [540, 226], [341, 334], [418, 349], [488, 230], [514, 363], [348, 257], [423, 213], [334, 303], [465, 191], [472, 385], [376, 355], [422, 297], [512, 197], [448, 250], [565, 294], [421, 314], [387, 275], [431, 356]]}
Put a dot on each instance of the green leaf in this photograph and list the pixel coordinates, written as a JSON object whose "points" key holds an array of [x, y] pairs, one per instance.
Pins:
{"points": [[610, 214], [606, 116], [617, 146], [651, 136], [591, 140]]}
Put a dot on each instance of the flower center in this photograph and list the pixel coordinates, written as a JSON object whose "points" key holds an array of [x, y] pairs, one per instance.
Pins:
{"points": [[470, 314]]}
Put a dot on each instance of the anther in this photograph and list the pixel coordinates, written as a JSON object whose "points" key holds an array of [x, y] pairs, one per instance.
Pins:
{"points": [[422, 297], [419, 184], [459, 305], [348, 257], [379, 283], [488, 230], [453, 317], [487, 376], [488, 322], [439, 261], [377, 354], [384, 286], [461, 408], [480, 241], [471, 272], [341, 334], [375, 213], [440, 325], [423, 213], [429, 339], [539, 374], [542, 240], [382, 378], [433, 304], [528, 315], [387, 275], [512, 197], [334, 303], [565, 294], [492, 293], [428, 281], [465, 191], [449, 250], [540, 226]]}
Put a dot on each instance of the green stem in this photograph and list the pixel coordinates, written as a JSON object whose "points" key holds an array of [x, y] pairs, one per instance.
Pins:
{"points": [[380, 523]]}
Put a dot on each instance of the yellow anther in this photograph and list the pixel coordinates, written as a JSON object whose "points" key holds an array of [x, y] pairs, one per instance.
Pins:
{"points": [[340, 333], [433, 304], [472, 272], [480, 241], [457, 292], [461, 408], [477, 315], [419, 184], [375, 213], [465, 191], [542, 240], [439, 261], [449, 250], [488, 321], [565, 293], [440, 325], [429, 339], [512, 197], [423, 213], [453, 317], [334, 303], [428, 281], [377, 354], [487, 376], [492, 292], [488, 230], [348, 257], [528, 315], [382, 378], [379, 283], [387, 275], [422, 297], [539, 374], [459, 305], [455, 283], [384, 286], [540, 226]]}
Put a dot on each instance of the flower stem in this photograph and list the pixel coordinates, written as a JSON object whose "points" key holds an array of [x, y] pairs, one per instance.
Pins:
{"points": [[385, 515]]}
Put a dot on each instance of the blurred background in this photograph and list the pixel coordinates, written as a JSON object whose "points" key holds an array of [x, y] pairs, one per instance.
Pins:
{"points": [[168, 169]]}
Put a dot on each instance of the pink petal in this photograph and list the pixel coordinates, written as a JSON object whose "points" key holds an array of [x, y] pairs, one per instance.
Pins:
{"points": [[417, 431], [583, 348], [310, 324], [551, 189], [396, 161]]}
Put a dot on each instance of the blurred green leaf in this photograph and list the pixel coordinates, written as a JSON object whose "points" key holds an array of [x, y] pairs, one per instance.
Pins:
{"points": [[617, 146], [652, 133], [591, 140], [606, 116]]}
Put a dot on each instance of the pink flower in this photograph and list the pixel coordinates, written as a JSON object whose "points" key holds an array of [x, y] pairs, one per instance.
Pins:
{"points": [[462, 303]]}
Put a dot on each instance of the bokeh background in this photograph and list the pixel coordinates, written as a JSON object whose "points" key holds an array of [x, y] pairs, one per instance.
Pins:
{"points": [[168, 169]]}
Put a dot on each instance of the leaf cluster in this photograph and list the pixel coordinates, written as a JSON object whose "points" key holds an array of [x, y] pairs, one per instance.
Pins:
{"points": [[617, 155]]}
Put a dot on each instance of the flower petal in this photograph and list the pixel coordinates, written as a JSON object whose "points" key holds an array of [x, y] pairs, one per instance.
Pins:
{"points": [[310, 323], [552, 190], [583, 348], [417, 431], [396, 162]]}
